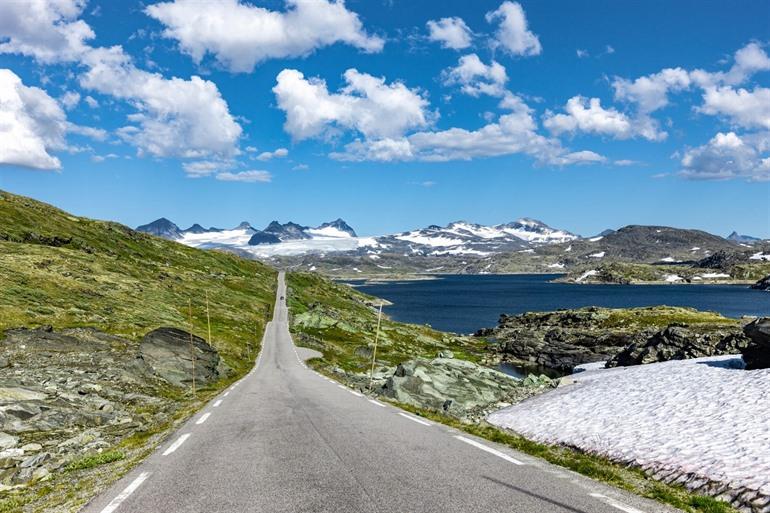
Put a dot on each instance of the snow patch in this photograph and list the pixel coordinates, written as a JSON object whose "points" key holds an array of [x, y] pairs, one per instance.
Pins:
{"points": [[672, 278], [696, 417], [586, 274], [596, 239], [760, 256], [600, 254], [556, 266]]}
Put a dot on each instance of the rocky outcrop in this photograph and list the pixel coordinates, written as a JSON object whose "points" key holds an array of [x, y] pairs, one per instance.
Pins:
{"points": [[169, 353], [756, 354], [763, 284], [459, 388], [678, 343], [565, 339], [560, 340], [67, 394]]}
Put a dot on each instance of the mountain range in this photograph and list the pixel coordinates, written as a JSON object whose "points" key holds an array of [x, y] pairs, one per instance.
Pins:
{"points": [[524, 245]]}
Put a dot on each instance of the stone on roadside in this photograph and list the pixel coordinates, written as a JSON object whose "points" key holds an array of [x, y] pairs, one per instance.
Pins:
{"points": [[756, 354]]}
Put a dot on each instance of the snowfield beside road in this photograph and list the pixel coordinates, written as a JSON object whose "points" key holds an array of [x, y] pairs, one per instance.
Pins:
{"points": [[696, 421]]}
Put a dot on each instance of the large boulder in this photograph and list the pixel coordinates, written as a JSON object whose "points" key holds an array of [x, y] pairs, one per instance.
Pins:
{"points": [[763, 284], [678, 343], [453, 386], [169, 353], [756, 354]]}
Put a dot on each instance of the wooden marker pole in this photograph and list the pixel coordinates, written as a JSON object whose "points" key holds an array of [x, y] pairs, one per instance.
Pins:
{"points": [[208, 317], [374, 353]]}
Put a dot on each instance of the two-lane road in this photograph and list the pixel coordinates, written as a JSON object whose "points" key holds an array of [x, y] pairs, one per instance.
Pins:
{"points": [[285, 439]]}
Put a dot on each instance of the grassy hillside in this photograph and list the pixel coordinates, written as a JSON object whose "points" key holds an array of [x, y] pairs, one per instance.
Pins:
{"points": [[65, 271], [341, 323], [68, 271]]}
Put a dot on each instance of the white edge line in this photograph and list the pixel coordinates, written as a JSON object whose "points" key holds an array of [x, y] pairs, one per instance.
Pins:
{"points": [[357, 394], [489, 450], [615, 504], [378, 403], [179, 441], [136, 483], [217, 403], [203, 418], [414, 419]]}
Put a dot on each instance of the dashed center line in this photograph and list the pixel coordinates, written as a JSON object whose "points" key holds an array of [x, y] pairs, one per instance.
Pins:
{"points": [[615, 504], [203, 418], [414, 419], [489, 450], [226, 393], [136, 483], [217, 403], [178, 443]]}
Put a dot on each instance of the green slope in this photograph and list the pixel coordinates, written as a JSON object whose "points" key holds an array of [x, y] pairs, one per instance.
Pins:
{"points": [[67, 271]]}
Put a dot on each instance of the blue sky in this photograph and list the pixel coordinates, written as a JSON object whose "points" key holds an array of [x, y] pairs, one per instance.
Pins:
{"points": [[391, 114]]}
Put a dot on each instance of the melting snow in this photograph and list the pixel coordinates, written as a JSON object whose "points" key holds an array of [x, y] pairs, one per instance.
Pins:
{"points": [[597, 255], [760, 256], [556, 266], [671, 278], [596, 239], [714, 275], [694, 416], [586, 274]]}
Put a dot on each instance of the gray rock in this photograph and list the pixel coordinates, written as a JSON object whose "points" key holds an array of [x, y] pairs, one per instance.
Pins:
{"points": [[169, 354], [678, 343], [756, 354], [763, 284], [449, 385], [7, 441], [36, 460]]}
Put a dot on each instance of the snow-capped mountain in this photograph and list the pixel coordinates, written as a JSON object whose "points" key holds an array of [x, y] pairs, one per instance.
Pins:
{"points": [[458, 238], [462, 237]]}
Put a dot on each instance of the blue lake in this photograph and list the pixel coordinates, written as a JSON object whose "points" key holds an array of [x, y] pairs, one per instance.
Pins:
{"points": [[465, 303]]}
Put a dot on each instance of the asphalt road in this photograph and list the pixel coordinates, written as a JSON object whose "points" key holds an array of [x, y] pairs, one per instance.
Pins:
{"points": [[285, 439]]}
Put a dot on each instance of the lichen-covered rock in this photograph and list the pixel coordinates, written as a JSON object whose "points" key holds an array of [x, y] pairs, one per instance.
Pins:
{"points": [[756, 354], [456, 387], [169, 352], [678, 343], [565, 339]]}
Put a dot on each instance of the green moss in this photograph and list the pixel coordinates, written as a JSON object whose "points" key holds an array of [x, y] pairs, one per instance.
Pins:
{"points": [[661, 316], [94, 460]]}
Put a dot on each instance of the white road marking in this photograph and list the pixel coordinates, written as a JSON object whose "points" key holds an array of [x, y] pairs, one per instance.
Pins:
{"points": [[414, 419], [226, 393], [357, 394], [114, 503], [378, 403], [615, 504], [489, 450], [203, 418], [179, 441], [217, 403]]}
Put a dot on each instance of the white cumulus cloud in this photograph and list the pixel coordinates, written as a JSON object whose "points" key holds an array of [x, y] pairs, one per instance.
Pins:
{"points": [[588, 115], [514, 133], [174, 117], [366, 104], [513, 34], [245, 176], [48, 30], [32, 124], [451, 32], [729, 156], [476, 78], [240, 35], [744, 108], [268, 155]]}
